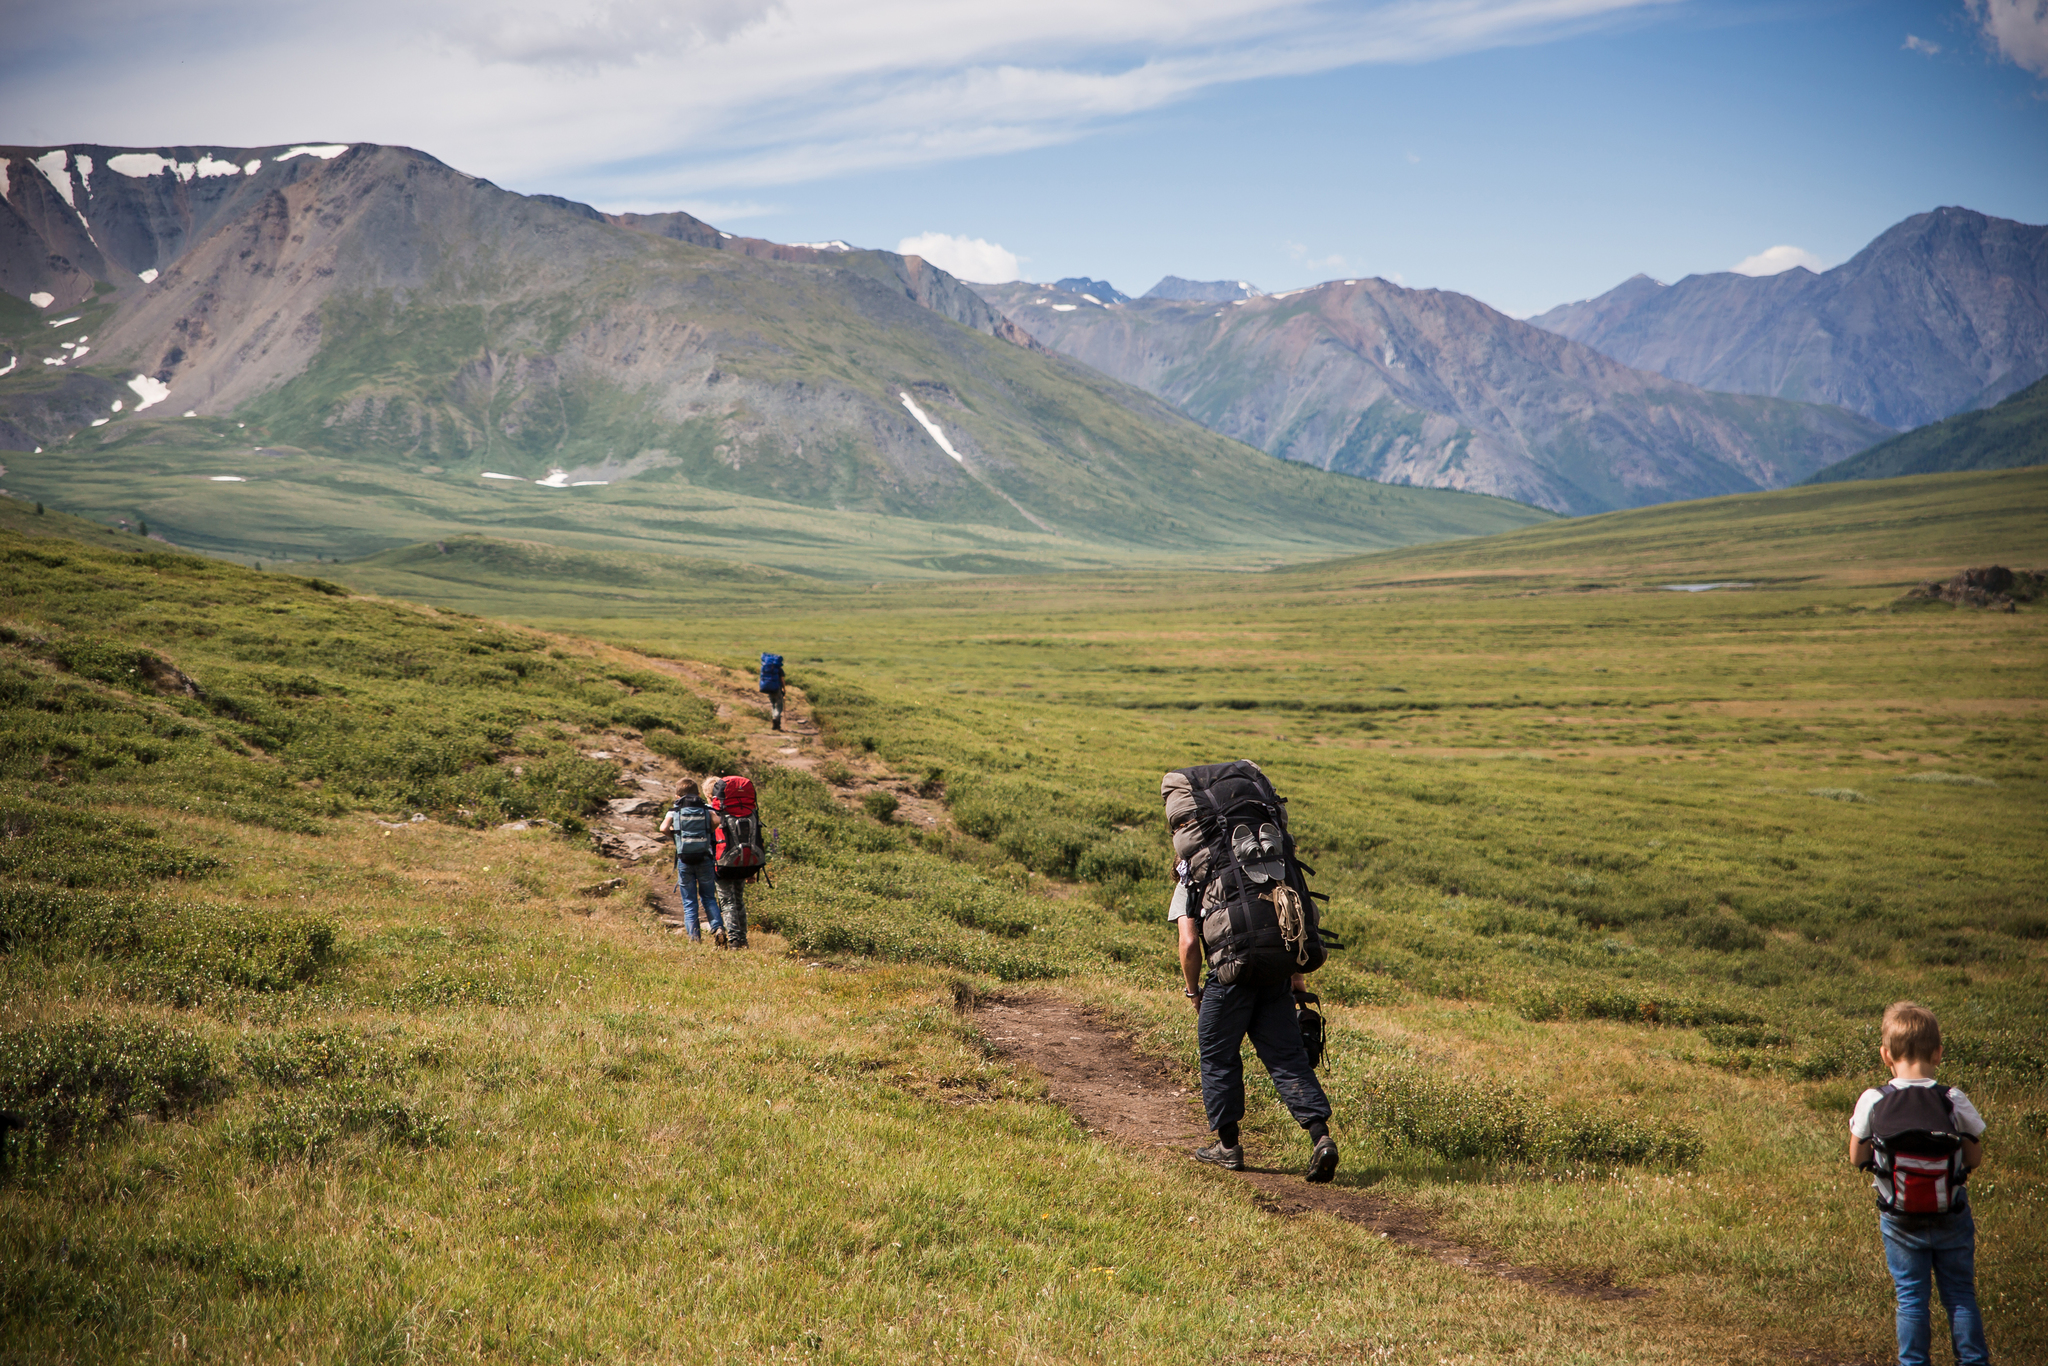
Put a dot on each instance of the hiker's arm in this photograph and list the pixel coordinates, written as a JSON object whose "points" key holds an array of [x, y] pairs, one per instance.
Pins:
{"points": [[1973, 1154], [1191, 952], [1860, 1151]]}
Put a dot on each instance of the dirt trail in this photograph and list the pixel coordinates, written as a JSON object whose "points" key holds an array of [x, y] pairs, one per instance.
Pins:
{"points": [[1112, 1089]]}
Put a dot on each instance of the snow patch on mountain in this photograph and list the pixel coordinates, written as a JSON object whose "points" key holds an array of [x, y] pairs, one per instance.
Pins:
{"points": [[42, 300], [326, 151], [52, 164], [931, 427], [149, 390], [148, 277]]}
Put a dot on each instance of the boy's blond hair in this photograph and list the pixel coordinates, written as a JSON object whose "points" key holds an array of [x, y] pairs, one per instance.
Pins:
{"points": [[1911, 1032]]}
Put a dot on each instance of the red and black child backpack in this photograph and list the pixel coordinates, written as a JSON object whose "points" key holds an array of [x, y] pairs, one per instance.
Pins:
{"points": [[1916, 1151], [740, 853]]}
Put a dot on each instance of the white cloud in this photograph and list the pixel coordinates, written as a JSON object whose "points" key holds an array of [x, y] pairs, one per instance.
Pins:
{"points": [[1776, 260], [1915, 43], [659, 101], [2018, 29], [970, 258]]}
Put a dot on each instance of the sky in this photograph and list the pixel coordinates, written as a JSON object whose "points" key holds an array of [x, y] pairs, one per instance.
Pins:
{"points": [[1528, 152]]}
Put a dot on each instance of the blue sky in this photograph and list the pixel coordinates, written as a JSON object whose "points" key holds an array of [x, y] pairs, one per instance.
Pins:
{"points": [[1525, 151]]}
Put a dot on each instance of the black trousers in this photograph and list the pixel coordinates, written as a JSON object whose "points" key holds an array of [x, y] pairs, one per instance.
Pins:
{"points": [[1264, 1013]]}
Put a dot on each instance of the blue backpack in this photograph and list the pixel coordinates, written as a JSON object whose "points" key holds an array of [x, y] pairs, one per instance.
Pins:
{"points": [[696, 833], [771, 673]]}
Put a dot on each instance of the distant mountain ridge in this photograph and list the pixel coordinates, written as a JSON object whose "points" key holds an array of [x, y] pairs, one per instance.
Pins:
{"points": [[1943, 312], [2010, 434], [1435, 389], [378, 319], [1177, 290]]}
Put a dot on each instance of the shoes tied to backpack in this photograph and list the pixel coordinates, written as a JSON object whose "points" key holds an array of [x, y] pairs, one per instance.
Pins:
{"points": [[1259, 852]]}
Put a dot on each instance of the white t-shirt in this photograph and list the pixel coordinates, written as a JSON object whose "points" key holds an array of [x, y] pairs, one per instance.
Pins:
{"points": [[1177, 907], [1968, 1122]]}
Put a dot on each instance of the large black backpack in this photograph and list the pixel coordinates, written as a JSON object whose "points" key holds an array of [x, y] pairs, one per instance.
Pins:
{"points": [[1234, 854]]}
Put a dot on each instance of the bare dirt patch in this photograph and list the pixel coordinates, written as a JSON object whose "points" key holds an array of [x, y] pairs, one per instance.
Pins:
{"points": [[1112, 1089]]}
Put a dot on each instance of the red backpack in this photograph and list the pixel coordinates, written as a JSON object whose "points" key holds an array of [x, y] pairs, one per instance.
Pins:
{"points": [[740, 852], [1916, 1153]]}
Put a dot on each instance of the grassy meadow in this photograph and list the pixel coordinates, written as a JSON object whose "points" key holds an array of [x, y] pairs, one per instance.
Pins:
{"points": [[1625, 876]]}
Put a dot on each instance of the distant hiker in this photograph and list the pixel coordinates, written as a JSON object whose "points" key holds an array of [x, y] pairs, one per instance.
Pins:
{"points": [[1920, 1140], [1243, 903], [741, 856], [696, 833], [771, 683]]}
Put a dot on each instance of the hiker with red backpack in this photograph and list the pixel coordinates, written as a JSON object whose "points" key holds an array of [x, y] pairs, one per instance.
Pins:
{"points": [[1920, 1140], [1242, 905], [740, 854]]}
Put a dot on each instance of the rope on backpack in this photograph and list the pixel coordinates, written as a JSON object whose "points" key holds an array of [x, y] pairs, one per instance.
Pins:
{"points": [[1287, 909]]}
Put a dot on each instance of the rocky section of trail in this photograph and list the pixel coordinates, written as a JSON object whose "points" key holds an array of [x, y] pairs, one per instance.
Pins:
{"points": [[1113, 1090]]}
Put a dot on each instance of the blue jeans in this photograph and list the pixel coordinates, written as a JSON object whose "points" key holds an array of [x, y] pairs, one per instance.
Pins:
{"points": [[1944, 1251], [697, 883], [1264, 1012]]}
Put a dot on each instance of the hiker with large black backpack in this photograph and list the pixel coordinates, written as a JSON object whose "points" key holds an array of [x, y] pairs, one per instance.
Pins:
{"points": [[1242, 905], [741, 854]]}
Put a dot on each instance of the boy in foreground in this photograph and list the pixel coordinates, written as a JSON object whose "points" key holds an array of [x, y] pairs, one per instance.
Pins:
{"points": [[1921, 1139]]}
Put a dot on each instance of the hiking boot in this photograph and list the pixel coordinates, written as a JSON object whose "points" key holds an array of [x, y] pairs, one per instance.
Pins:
{"points": [[1322, 1163], [1232, 1158]]}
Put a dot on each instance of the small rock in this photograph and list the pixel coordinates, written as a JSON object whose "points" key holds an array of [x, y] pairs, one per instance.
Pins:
{"points": [[605, 888]]}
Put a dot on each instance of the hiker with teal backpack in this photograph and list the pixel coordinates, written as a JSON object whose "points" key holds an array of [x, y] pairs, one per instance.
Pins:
{"points": [[695, 828], [771, 684]]}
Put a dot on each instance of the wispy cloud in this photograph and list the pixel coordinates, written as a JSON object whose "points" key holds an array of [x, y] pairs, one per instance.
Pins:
{"points": [[1334, 261], [653, 101], [1915, 43], [1778, 260], [970, 258], [2018, 29]]}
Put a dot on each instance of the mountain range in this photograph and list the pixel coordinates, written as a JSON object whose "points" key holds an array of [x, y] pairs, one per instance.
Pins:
{"points": [[337, 349], [1944, 312], [1433, 388]]}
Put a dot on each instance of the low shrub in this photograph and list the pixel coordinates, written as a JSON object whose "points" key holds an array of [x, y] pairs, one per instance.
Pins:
{"points": [[697, 755], [255, 1268], [71, 1079], [1458, 1118], [1635, 1007], [881, 805], [302, 1124]]}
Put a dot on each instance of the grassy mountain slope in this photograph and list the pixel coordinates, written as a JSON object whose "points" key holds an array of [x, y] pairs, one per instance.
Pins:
{"points": [[2012, 434], [1943, 312], [399, 330], [1435, 389]]}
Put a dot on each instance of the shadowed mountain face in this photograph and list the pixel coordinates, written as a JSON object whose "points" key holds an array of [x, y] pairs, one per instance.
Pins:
{"points": [[1438, 390], [1945, 312], [2007, 435], [371, 306]]}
